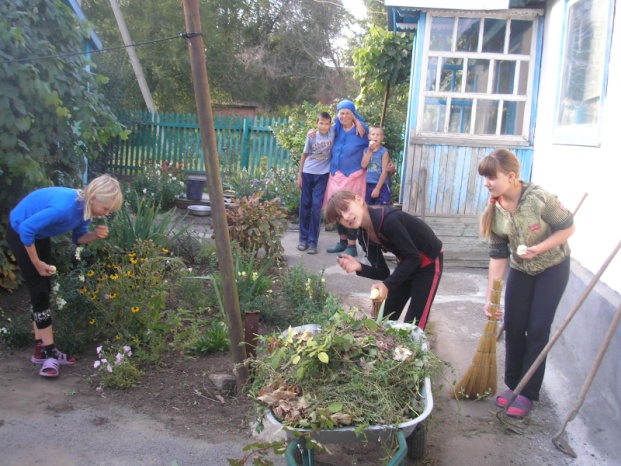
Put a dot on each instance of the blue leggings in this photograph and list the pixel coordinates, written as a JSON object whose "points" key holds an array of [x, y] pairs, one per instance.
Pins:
{"points": [[530, 306]]}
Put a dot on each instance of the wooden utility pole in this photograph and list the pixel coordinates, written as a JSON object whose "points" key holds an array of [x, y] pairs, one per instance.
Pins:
{"points": [[133, 57], [230, 298]]}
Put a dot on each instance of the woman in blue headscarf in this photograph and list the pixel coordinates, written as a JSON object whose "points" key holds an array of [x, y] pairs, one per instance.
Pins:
{"points": [[346, 173]]}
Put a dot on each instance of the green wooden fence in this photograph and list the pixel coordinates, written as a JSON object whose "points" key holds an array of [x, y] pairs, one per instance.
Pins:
{"points": [[158, 137]]}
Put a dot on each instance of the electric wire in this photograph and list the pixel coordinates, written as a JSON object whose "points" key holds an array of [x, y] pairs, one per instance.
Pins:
{"points": [[181, 35]]}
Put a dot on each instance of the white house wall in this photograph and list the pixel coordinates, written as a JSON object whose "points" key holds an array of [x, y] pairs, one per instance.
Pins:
{"points": [[570, 171]]}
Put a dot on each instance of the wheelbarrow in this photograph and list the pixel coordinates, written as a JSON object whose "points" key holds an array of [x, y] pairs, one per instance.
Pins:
{"points": [[411, 435]]}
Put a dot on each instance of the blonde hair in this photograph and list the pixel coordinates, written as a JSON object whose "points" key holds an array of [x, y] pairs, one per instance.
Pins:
{"points": [[338, 203], [504, 161], [105, 189], [381, 130]]}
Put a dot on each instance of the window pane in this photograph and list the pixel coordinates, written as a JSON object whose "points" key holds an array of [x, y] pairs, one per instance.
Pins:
{"points": [[452, 73], [520, 37], [523, 78], [460, 116], [583, 67], [504, 75], [478, 74], [468, 34], [433, 118], [432, 66], [487, 114], [512, 118], [494, 35], [441, 33]]}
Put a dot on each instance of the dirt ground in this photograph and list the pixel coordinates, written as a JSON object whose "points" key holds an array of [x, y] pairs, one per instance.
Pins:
{"points": [[181, 398]]}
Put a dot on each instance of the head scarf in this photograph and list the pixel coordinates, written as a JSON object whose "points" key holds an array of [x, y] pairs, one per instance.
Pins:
{"points": [[349, 105]]}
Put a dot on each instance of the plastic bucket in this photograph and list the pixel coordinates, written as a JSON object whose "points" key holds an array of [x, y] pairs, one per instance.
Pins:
{"points": [[195, 187]]}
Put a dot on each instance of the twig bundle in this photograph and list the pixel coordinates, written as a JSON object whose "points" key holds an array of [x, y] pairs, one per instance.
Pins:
{"points": [[480, 378]]}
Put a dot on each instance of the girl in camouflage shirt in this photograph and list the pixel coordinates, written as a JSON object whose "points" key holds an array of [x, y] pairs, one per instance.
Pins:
{"points": [[527, 229]]}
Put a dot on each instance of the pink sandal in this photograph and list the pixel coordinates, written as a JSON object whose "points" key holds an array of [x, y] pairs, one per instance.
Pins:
{"points": [[62, 358], [50, 368], [520, 407]]}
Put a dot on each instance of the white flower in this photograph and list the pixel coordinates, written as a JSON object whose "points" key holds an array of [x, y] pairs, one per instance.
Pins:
{"points": [[144, 190], [97, 364], [78, 252], [56, 287], [127, 350], [60, 302], [109, 368], [401, 354], [119, 358], [81, 277], [99, 348]]}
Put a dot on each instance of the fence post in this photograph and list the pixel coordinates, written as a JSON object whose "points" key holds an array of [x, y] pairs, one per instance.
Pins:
{"points": [[245, 155]]}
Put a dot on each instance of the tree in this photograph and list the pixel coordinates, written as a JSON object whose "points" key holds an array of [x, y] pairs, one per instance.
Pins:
{"points": [[52, 114], [272, 52], [383, 60]]}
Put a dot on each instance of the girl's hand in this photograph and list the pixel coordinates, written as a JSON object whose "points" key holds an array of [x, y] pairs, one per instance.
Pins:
{"points": [[348, 263], [499, 312], [101, 232], [45, 270], [375, 194], [531, 253], [383, 292]]}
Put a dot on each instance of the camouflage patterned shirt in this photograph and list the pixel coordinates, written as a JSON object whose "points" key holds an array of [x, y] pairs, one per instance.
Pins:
{"points": [[537, 216]]}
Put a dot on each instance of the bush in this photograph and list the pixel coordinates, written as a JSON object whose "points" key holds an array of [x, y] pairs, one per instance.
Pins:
{"points": [[257, 224], [162, 185]]}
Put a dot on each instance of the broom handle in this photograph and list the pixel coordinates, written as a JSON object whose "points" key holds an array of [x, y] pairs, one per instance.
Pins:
{"points": [[495, 298], [558, 332]]}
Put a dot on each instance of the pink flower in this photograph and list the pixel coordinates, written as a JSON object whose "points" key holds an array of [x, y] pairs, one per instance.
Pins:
{"points": [[97, 364], [109, 368]]}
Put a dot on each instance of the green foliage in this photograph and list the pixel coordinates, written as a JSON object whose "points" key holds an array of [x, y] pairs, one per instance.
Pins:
{"points": [[216, 339], [53, 114], [162, 185], [148, 223], [254, 285], [304, 294], [115, 368], [385, 57], [129, 291], [257, 224], [351, 371], [15, 332], [300, 118]]}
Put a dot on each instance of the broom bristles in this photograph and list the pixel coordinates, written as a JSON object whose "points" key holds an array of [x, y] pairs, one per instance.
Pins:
{"points": [[480, 380]]}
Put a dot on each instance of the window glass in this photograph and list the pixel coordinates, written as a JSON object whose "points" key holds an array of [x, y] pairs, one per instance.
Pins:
{"points": [[486, 117], [512, 118], [584, 63], [452, 73], [504, 77], [468, 34], [432, 66], [478, 74], [520, 37], [460, 116], [441, 33], [523, 77], [494, 35], [433, 120]]}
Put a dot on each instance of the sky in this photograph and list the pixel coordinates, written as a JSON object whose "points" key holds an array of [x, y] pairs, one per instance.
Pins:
{"points": [[356, 7]]}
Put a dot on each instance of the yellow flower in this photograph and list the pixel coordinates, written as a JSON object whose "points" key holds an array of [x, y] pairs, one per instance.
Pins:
{"points": [[133, 261], [92, 321], [90, 273], [117, 337], [83, 290], [255, 275], [165, 250], [135, 309], [135, 340], [113, 295], [102, 278], [128, 273], [131, 254], [114, 276], [93, 297]]}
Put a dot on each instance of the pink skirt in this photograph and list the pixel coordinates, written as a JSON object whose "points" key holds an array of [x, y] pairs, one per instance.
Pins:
{"points": [[356, 182]]}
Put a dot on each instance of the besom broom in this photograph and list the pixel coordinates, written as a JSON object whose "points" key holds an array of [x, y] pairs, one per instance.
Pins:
{"points": [[480, 378]]}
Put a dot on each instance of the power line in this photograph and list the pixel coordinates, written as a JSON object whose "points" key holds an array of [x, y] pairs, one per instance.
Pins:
{"points": [[181, 35]]}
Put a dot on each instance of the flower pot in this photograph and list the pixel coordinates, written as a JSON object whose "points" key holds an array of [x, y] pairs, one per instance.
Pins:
{"points": [[195, 187]]}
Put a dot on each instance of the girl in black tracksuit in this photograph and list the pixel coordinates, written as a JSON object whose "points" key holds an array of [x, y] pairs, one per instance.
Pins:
{"points": [[417, 248]]}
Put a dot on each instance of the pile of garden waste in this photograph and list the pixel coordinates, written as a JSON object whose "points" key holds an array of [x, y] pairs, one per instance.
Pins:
{"points": [[350, 372]]}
